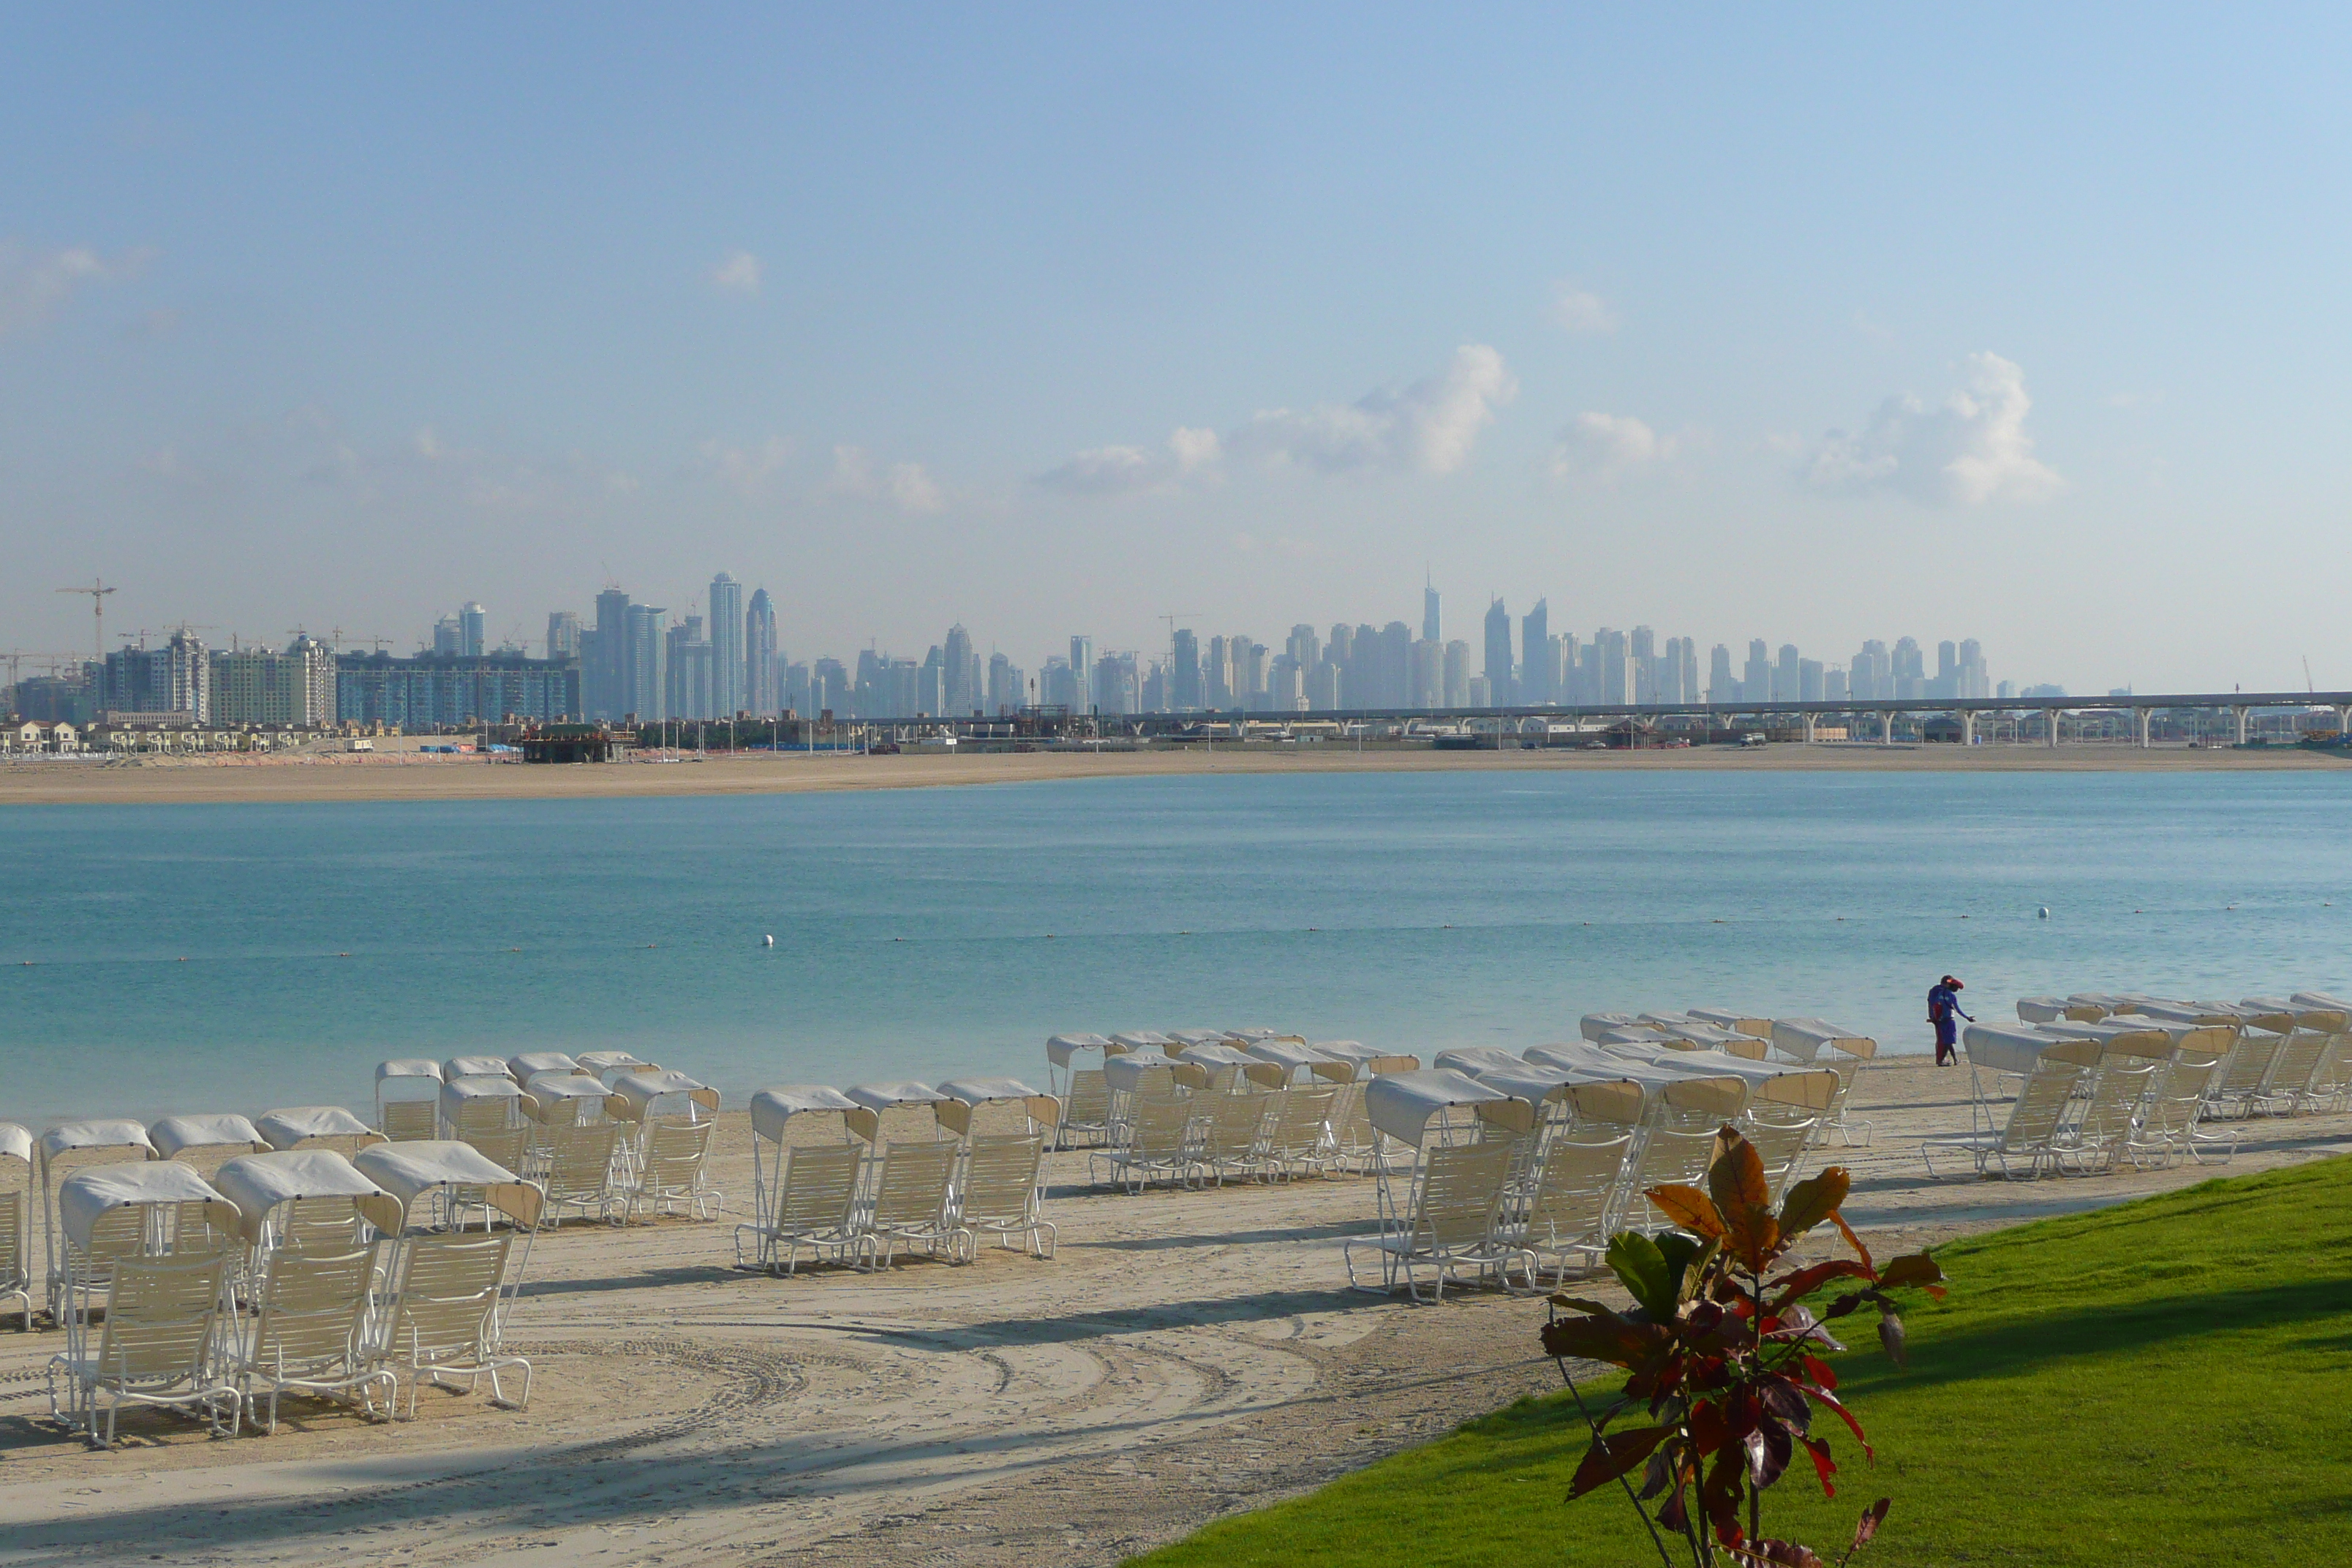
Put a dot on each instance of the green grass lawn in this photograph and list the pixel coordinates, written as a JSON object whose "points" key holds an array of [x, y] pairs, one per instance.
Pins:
{"points": [[2167, 1382]]}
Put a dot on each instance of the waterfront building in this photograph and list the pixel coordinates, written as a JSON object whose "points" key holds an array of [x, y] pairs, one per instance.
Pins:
{"points": [[1721, 689], [1428, 675], [1910, 671], [295, 688], [1613, 660], [564, 634], [1327, 689], [434, 691], [690, 673], [607, 678], [729, 670], [472, 630], [964, 692], [1756, 685], [1788, 676], [1430, 628], [1184, 693], [174, 679], [1535, 656], [763, 660], [829, 688], [1457, 674], [1499, 685], [645, 686]]}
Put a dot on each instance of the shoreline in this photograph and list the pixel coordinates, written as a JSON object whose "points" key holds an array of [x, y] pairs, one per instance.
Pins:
{"points": [[412, 776]]}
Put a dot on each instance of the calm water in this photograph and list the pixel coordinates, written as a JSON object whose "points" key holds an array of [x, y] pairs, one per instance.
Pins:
{"points": [[191, 958]]}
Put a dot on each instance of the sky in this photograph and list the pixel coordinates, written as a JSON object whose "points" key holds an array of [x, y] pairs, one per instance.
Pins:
{"points": [[2027, 323]]}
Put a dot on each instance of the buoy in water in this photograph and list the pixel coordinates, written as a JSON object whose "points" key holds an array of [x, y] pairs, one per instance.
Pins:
{"points": [[766, 942], [2042, 914]]}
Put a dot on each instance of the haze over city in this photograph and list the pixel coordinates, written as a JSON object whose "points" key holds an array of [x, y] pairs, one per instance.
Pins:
{"points": [[1055, 323]]}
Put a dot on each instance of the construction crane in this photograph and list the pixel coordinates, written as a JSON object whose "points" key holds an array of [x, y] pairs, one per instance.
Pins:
{"points": [[97, 591]]}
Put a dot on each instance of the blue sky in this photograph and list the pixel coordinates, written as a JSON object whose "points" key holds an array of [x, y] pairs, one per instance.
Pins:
{"points": [[2004, 324]]}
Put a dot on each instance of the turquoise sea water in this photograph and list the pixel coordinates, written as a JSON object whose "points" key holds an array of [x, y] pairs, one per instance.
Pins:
{"points": [[194, 958]]}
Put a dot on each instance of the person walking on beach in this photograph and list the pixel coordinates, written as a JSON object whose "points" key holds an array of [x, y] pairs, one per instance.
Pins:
{"points": [[1943, 1007]]}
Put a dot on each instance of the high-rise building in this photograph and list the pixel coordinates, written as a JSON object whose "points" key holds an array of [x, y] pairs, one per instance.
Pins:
{"points": [[1184, 693], [606, 677], [1327, 687], [1810, 680], [1303, 647], [1975, 684], [1082, 664], [1833, 684], [262, 686], [962, 673], [1612, 657], [1535, 656], [1428, 674], [1457, 674], [1910, 671], [644, 663], [1499, 685], [1008, 689], [1872, 678], [471, 631], [829, 687], [434, 691], [1432, 629], [448, 637], [1722, 690], [690, 673], [1217, 675], [1756, 685], [1788, 677], [177, 678], [728, 669], [762, 661], [564, 634]]}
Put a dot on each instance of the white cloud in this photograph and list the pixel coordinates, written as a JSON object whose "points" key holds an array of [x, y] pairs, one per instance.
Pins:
{"points": [[1969, 450], [738, 272], [906, 486], [1610, 445], [1132, 470], [748, 470], [34, 285], [1576, 309], [1430, 426]]}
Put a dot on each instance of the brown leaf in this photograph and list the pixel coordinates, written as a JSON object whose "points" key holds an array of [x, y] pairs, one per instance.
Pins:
{"points": [[1612, 1457], [1813, 1200], [1867, 1526], [1743, 1196], [1611, 1339], [1912, 1268], [1689, 1209], [1854, 1241], [1890, 1336]]}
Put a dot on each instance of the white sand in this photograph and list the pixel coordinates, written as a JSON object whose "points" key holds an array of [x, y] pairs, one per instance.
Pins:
{"points": [[1185, 1355]]}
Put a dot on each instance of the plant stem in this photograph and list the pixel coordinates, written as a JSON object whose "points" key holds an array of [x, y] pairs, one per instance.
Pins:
{"points": [[1642, 1513]]}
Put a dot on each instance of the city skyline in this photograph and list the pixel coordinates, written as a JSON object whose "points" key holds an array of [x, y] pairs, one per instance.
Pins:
{"points": [[1021, 321]]}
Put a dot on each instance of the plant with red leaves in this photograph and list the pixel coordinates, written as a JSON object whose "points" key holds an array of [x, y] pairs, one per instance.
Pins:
{"points": [[1720, 1352]]}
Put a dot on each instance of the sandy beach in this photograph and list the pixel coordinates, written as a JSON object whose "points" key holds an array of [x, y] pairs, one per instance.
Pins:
{"points": [[1185, 1355], [406, 774]]}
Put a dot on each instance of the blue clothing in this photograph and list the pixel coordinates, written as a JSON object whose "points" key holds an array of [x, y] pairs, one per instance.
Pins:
{"points": [[1944, 1012]]}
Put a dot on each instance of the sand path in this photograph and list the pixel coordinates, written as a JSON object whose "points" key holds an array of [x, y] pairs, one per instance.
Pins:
{"points": [[1185, 1354]]}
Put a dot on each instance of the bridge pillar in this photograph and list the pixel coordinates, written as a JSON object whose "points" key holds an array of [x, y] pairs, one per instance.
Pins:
{"points": [[2239, 713], [2050, 735], [2344, 721], [1968, 726], [1886, 726], [2140, 716], [1809, 728]]}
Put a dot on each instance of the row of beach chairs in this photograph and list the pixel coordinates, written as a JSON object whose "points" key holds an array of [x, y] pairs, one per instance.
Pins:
{"points": [[853, 1177], [2104, 1079]]}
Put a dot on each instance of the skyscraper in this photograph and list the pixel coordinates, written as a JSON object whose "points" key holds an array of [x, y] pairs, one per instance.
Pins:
{"points": [[1457, 674], [1721, 689], [1612, 656], [1082, 665], [1910, 671], [763, 678], [1787, 678], [1535, 656], [448, 637], [607, 681], [470, 631], [1499, 685], [1184, 679], [1644, 653], [1757, 687], [1430, 628], [645, 661], [963, 689], [564, 634], [728, 669]]}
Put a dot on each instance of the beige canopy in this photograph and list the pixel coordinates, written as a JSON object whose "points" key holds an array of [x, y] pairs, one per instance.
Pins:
{"points": [[963, 1095], [299, 1123], [772, 1109], [86, 1195], [174, 1135], [409, 1170], [633, 1093], [257, 1183], [1063, 1050], [1401, 1104]]}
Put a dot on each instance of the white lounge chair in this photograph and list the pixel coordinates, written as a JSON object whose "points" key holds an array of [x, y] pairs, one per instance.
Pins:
{"points": [[1442, 1216], [1157, 1145], [441, 1313], [1297, 1140], [672, 1176], [2286, 1090], [407, 1096], [2245, 1071], [2119, 1086], [16, 1219], [912, 1204], [310, 1335], [1227, 1134], [2036, 1121], [576, 1165], [1574, 1202], [158, 1346], [1002, 1177], [2168, 1121], [810, 1202]]}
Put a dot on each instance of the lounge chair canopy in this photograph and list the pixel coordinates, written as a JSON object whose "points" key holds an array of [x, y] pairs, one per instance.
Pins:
{"points": [[1199, 1037], [2041, 1009], [1224, 1056], [1592, 1026], [1126, 1074], [633, 1093], [1401, 1104], [1813, 1088], [1805, 1039], [2005, 1049], [2322, 1000], [458, 1090], [1290, 1057], [2172, 1013], [1732, 1020], [86, 1195], [528, 1065], [772, 1108], [1472, 1059], [71, 1136], [1635, 1035], [1663, 1076], [1146, 1040], [407, 1067], [1367, 1060], [873, 1099], [596, 1064], [408, 1171], [2320, 1020], [474, 1067], [174, 1134], [962, 1096], [1715, 1037], [1250, 1036], [1063, 1050], [2123, 1034], [15, 1143], [550, 1092], [1619, 1100], [284, 1129], [257, 1183]]}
